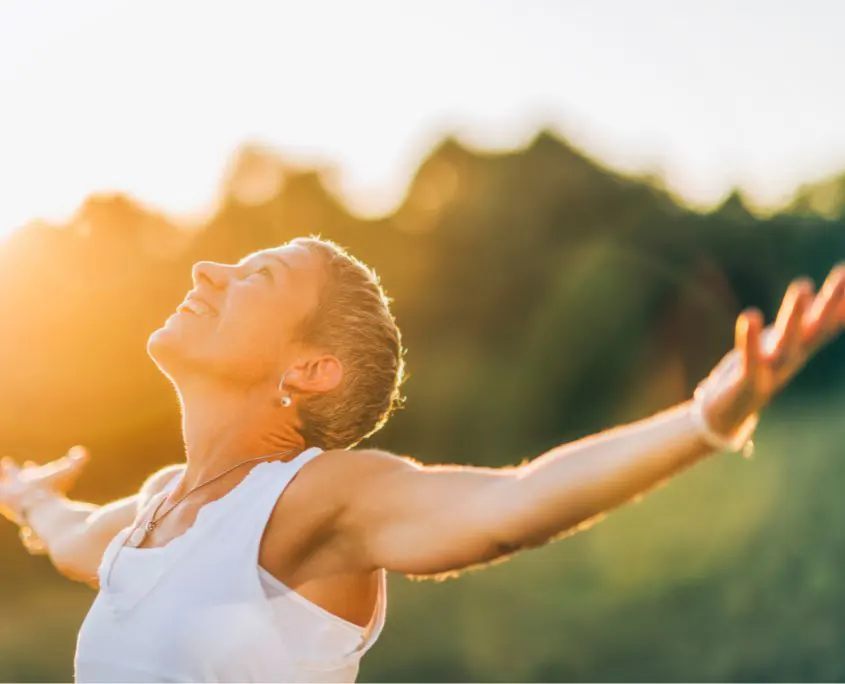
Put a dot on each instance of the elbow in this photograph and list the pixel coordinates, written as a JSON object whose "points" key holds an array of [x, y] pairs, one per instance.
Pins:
{"points": [[503, 548], [516, 516], [515, 533], [523, 523], [519, 540], [507, 523]]}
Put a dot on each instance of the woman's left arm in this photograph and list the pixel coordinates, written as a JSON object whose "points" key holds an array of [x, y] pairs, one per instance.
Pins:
{"points": [[422, 520]]}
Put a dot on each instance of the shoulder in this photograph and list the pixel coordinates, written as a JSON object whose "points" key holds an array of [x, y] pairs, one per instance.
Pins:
{"points": [[156, 482], [336, 477], [333, 484], [346, 467], [343, 479], [311, 519]]}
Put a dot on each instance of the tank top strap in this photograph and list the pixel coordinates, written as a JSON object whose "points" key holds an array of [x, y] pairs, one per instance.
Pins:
{"points": [[276, 478], [303, 458], [239, 523], [237, 511], [241, 513], [269, 483]]}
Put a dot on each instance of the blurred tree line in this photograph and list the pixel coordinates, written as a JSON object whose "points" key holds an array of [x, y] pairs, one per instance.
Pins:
{"points": [[542, 297]]}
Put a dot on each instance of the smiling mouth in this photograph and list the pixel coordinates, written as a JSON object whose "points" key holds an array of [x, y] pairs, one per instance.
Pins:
{"points": [[196, 307]]}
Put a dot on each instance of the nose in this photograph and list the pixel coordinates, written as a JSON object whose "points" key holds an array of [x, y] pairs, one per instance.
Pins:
{"points": [[210, 273]]}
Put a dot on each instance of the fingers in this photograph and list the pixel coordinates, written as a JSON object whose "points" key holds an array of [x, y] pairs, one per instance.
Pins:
{"points": [[8, 467], [767, 357], [790, 322], [749, 328], [62, 473], [74, 455], [826, 313], [75, 458], [78, 453], [841, 316], [59, 475]]}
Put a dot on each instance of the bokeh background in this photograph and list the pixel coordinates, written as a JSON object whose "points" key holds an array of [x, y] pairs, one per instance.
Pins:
{"points": [[569, 202]]}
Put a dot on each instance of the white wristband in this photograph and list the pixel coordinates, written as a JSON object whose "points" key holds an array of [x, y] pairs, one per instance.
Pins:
{"points": [[740, 441]]}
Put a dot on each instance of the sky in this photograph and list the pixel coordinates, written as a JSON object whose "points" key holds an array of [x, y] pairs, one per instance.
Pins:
{"points": [[153, 97]]}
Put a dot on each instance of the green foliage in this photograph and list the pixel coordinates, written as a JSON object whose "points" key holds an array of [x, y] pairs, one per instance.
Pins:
{"points": [[541, 298]]}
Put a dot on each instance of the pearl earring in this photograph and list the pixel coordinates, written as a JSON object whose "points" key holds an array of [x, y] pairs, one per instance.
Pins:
{"points": [[285, 400]]}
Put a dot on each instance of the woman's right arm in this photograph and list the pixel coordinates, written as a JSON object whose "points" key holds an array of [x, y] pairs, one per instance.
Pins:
{"points": [[75, 534]]}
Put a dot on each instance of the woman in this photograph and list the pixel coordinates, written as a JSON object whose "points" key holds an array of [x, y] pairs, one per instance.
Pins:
{"points": [[263, 556]]}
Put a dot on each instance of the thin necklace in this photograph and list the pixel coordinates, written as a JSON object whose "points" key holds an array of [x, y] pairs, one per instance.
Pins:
{"points": [[153, 522]]}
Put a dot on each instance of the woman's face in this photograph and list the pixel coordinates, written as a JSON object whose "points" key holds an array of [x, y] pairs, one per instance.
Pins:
{"points": [[238, 322]]}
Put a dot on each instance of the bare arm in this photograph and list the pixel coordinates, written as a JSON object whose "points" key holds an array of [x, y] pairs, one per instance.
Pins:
{"points": [[74, 533], [432, 520]]}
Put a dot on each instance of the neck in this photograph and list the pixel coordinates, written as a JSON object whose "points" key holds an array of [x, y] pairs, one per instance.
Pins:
{"points": [[224, 426]]}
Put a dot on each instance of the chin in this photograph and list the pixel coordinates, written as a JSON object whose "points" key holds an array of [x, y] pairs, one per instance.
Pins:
{"points": [[180, 354], [168, 348], [182, 351], [161, 349]]}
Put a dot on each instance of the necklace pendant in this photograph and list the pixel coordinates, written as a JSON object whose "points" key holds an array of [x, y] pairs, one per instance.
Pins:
{"points": [[149, 526]]}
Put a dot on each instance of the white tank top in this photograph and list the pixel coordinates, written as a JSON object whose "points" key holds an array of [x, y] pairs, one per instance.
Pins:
{"points": [[201, 609]]}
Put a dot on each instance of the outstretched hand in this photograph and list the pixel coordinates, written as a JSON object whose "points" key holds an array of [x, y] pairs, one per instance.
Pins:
{"points": [[58, 476], [764, 360]]}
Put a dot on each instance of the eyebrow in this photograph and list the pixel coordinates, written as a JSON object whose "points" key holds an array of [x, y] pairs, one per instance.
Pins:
{"points": [[281, 260], [265, 255]]}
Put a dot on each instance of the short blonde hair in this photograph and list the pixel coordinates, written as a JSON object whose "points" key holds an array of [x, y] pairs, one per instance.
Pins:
{"points": [[353, 321]]}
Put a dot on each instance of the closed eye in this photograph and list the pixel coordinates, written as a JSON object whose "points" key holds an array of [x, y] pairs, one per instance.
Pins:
{"points": [[264, 271]]}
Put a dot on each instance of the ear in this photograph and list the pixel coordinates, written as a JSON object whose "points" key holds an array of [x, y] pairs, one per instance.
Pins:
{"points": [[316, 375]]}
